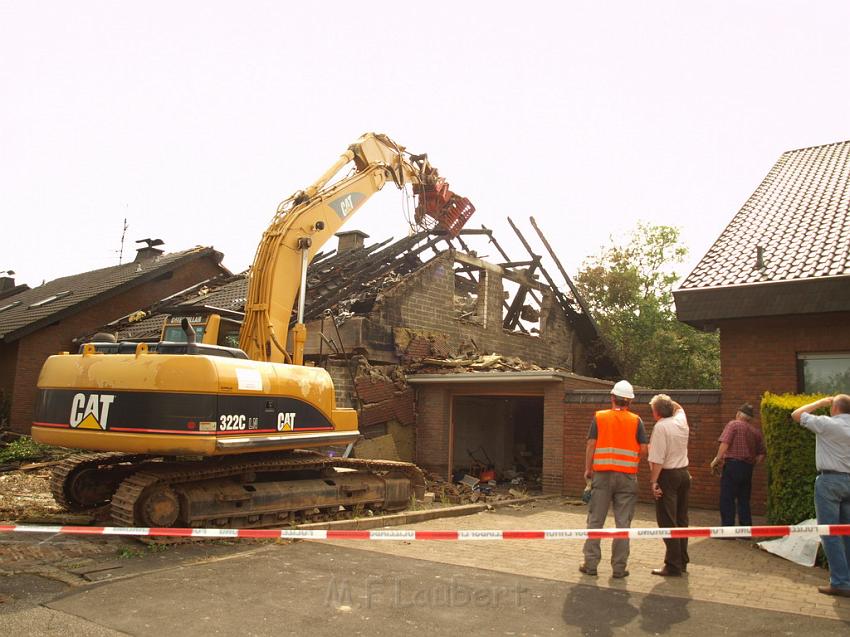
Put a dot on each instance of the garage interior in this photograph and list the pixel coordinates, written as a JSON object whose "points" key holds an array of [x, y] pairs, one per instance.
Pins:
{"points": [[501, 434]]}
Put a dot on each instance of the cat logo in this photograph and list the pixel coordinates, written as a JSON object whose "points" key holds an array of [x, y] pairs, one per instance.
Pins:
{"points": [[347, 204], [90, 412], [286, 421]]}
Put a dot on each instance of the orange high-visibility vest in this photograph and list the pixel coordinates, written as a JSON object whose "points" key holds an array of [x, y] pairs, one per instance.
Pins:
{"points": [[616, 441]]}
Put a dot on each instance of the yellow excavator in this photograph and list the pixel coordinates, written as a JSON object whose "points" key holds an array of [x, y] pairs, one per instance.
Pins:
{"points": [[187, 433]]}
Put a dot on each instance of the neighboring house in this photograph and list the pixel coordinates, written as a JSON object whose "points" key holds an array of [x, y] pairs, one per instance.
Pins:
{"points": [[38, 322], [776, 283]]}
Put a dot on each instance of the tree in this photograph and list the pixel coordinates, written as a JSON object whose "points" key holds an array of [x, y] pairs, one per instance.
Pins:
{"points": [[629, 289]]}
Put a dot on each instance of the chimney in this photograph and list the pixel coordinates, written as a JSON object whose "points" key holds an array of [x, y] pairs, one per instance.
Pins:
{"points": [[149, 251], [759, 258], [7, 281], [350, 240]]}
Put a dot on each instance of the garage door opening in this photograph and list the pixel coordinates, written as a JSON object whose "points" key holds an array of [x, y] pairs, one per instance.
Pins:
{"points": [[498, 440]]}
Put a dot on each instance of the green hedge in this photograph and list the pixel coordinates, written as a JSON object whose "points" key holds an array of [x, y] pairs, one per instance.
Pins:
{"points": [[791, 468]]}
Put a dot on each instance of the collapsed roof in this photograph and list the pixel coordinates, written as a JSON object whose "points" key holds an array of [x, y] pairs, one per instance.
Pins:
{"points": [[350, 282]]}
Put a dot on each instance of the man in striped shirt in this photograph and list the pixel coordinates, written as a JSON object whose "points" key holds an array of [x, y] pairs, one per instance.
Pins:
{"points": [[741, 448]]}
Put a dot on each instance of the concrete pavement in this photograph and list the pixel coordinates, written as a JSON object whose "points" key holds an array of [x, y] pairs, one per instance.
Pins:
{"points": [[379, 588], [309, 588]]}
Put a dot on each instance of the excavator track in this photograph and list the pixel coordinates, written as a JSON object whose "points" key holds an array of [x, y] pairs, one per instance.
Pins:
{"points": [[87, 480], [256, 492]]}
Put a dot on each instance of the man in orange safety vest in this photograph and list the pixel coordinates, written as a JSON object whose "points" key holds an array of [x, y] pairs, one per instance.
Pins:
{"points": [[616, 441]]}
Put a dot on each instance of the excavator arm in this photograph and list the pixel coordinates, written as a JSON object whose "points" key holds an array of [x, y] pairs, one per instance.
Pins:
{"points": [[246, 419], [310, 217]]}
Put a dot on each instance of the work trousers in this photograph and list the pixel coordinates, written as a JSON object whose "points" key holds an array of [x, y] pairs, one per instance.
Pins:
{"points": [[620, 490], [671, 510], [735, 487]]}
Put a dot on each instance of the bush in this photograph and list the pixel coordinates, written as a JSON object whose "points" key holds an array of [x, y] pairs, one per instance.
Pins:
{"points": [[791, 470], [24, 448]]}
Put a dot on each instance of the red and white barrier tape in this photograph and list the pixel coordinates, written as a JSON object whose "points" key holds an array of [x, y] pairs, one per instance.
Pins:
{"points": [[407, 535]]}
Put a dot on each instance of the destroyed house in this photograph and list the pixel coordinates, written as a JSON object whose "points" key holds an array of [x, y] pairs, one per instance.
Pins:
{"points": [[447, 355], [36, 323]]}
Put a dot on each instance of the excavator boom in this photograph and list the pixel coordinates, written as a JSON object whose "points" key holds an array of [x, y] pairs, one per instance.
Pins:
{"points": [[309, 218]]}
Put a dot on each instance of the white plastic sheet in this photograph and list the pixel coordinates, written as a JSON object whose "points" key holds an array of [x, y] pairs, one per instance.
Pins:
{"points": [[800, 549]]}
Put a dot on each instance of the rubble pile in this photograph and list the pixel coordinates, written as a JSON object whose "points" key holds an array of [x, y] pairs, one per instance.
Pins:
{"points": [[387, 413], [475, 362], [430, 353], [468, 490]]}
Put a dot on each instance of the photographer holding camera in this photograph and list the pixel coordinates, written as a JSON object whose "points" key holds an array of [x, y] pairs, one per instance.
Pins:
{"points": [[832, 486]]}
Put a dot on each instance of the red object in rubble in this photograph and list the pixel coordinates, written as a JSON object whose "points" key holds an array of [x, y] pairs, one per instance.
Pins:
{"points": [[487, 475]]}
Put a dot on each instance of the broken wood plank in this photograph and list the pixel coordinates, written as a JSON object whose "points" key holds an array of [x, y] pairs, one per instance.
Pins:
{"points": [[442, 362], [39, 465]]}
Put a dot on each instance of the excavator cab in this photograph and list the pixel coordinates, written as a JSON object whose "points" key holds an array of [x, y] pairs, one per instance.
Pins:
{"points": [[205, 328], [210, 327]]}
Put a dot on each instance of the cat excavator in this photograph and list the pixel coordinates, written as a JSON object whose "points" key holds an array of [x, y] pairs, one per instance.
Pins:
{"points": [[185, 433]]}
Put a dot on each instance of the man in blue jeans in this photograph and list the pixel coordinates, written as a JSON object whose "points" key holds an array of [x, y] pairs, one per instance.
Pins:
{"points": [[832, 486]]}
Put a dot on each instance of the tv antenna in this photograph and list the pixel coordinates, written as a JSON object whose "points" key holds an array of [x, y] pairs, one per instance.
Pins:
{"points": [[123, 234]]}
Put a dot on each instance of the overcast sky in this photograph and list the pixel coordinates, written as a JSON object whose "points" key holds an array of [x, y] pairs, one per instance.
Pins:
{"points": [[194, 119]]}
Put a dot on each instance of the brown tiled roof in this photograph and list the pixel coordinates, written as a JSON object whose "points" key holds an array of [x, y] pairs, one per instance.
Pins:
{"points": [[27, 311], [799, 217], [227, 293]]}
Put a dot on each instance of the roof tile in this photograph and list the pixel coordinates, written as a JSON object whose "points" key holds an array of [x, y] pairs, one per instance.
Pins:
{"points": [[799, 214], [82, 287]]}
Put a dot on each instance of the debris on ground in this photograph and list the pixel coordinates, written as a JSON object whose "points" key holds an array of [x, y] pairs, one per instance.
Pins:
{"points": [[469, 490], [25, 495]]}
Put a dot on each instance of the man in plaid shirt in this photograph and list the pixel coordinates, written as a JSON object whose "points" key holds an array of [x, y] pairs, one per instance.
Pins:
{"points": [[741, 448]]}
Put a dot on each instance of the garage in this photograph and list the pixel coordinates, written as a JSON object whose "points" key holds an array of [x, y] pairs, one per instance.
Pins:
{"points": [[498, 439]]}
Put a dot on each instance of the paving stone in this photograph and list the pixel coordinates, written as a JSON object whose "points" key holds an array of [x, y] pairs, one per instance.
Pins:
{"points": [[736, 573]]}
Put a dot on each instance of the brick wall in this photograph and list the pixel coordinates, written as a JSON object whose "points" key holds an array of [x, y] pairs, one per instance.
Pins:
{"points": [[8, 360], [343, 385], [33, 349], [760, 354], [553, 438], [433, 406], [425, 302], [704, 417]]}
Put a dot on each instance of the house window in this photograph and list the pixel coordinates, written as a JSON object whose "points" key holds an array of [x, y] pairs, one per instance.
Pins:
{"points": [[469, 294], [824, 373]]}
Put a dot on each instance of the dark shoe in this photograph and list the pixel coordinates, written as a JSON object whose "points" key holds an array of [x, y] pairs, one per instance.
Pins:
{"points": [[665, 572], [620, 574], [833, 590], [587, 570]]}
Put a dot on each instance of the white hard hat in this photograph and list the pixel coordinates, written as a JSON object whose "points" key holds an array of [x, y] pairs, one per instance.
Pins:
{"points": [[623, 389]]}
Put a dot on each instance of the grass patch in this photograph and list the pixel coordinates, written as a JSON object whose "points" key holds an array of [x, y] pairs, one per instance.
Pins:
{"points": [[128, 553], [24, 448]]}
